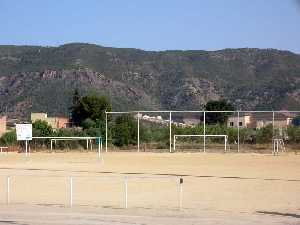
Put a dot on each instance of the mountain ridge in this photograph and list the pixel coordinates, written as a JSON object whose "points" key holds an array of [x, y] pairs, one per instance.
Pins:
{"points": [[36, 78]]}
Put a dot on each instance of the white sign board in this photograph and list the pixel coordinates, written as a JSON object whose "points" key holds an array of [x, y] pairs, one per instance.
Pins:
{"points": [[24, 132]]}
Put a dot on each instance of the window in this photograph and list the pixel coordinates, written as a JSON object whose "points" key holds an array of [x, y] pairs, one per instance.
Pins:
{"points": [[231, 124], [240, 124]]}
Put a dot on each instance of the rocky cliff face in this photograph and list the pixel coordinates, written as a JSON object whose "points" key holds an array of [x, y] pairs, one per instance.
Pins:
{"points": [[34, 78]]}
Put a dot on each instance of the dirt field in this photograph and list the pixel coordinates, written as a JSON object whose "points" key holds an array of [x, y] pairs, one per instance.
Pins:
{"points": [[217, 188]]}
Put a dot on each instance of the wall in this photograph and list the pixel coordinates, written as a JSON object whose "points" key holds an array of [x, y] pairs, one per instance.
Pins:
{"points": [[235, 120], [2, 125], [38, 116]]}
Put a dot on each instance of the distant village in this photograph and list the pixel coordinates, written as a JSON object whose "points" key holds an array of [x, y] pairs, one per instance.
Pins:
{"points": [[250, 120]]}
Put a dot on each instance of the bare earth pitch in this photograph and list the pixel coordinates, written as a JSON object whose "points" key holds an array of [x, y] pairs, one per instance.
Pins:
{"points": [[217, 188]]}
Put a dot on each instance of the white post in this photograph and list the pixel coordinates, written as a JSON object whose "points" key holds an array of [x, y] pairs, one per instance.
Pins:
{"points": [[138, 130], [87, 144], [174, 144], [26, 148], [273, 119], [180, 192], [106, 132], [238, 138], [71, 191], [99, 147], [101, 143], [170, 125], [51, 141], [204, 132], [126, 192], [8, 190], [225, 143]]}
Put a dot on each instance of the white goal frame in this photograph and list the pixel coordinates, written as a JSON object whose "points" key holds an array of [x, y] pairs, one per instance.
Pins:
{"points": [[200, 112], [88, 140], [278, 143], [201, 135]]}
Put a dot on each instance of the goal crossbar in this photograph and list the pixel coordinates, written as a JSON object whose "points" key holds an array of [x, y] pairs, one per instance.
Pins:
{"points": [[201, 135], [88, 139]]}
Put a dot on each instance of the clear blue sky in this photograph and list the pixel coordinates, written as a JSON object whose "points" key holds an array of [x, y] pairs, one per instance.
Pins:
{"points": [[153, 24]]}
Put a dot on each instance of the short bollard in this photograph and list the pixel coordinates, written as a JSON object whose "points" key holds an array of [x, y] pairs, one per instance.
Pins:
{"points": [[71, 191], [126, 192], [8, 190], [180, 192]]}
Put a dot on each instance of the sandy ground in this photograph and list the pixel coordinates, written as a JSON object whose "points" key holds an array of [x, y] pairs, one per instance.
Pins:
{"points": [[217, 188]]}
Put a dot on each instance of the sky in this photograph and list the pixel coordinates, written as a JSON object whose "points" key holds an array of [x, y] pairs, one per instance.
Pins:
{"points": [[153, 24]]}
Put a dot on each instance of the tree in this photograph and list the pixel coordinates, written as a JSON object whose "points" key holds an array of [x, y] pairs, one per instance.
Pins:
{"points": [[9, 138], [88, 123], [76, 97], [41, 128], [92, 107], [296, 121], [125, 130], [265, 134], [294, 134], [75, 102], [221, 105]]}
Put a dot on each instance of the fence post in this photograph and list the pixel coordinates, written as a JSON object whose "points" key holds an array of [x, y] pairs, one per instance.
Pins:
{"points": [[204, 132], [138, 131], [71, 191], [126, 192], [8, 190], [170, 131], [273, 120], [180, 192], [238, 129], [106, 132]]}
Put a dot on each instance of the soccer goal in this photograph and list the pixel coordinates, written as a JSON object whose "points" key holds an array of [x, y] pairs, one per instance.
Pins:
{"points": [[176, 136], [278, 144], [88, 140]]}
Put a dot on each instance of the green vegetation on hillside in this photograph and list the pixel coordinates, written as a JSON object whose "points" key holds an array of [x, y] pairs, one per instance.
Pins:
{"points": [[35, 78]]}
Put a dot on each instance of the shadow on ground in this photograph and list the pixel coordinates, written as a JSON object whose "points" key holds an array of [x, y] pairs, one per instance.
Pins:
{"points": [[279, 214]]}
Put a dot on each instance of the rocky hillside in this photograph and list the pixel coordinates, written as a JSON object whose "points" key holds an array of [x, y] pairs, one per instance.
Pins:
{"points": [[34, 78]]}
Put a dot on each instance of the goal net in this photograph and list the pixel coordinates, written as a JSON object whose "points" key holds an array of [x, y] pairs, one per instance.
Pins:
{"points": [[194, 141]]}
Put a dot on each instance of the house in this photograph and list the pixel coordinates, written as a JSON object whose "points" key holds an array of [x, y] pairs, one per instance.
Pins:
{"points": [[241, 121], [2, 125], [58, 122], [280, 120], [54, 122], [260, 120], [38, 116]]}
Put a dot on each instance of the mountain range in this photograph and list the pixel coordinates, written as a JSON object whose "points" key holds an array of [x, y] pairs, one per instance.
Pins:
{"points": [[43, 79]]}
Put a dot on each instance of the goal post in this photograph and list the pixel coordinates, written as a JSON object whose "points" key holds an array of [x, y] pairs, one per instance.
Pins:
{"points": [[201, 135], [88, 141], [278, 144]]}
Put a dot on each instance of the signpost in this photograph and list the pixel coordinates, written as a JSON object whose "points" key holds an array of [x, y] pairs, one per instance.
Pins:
{"points": [[24, 133]]}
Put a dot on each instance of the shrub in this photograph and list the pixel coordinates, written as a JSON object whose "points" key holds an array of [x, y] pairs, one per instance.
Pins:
{"points": [[125, 131], [9, 138], [264, 135], [88, 123], [41, 128]]}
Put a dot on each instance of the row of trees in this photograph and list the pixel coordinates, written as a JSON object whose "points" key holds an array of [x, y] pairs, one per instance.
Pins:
{"points": [[88, 112], [124, 133]]}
